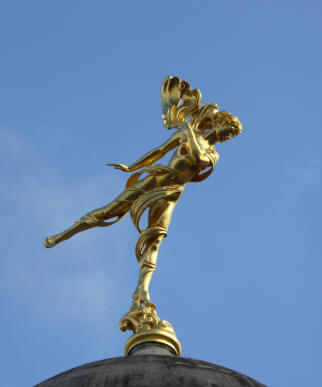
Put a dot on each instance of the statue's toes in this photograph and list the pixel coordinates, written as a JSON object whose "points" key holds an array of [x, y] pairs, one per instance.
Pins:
{"points": [[48, 243]]}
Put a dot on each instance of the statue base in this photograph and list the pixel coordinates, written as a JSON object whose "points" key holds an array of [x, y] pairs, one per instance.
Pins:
{"points": [[143, 320], [153, 336]]}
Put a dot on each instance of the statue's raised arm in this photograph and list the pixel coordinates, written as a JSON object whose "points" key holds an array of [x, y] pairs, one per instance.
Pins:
{"points": [[194, 158]]}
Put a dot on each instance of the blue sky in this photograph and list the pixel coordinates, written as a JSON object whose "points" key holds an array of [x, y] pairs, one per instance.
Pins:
{"points": [[239, 275]]}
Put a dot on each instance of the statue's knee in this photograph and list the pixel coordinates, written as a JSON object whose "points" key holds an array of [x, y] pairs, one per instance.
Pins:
{"points": [[145, 264], [89, 219]]}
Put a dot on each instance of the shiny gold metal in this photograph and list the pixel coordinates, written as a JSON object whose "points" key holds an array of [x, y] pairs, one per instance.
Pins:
{"points": [[147, 326], [197, 131]]}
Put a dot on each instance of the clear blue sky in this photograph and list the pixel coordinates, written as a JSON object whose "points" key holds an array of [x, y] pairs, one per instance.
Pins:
{"points": [[239, 275]]}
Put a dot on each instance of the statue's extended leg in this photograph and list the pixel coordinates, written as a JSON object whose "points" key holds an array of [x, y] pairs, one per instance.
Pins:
{"points": [[117, 208]]}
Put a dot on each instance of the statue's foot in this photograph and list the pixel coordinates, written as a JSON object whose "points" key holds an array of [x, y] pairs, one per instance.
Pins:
{"points": [[51, 241], [142, 296]]}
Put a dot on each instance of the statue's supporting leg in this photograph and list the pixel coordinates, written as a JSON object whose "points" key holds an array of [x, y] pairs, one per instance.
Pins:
{"points": [[148, 264], [142, 317], [159, 216]]}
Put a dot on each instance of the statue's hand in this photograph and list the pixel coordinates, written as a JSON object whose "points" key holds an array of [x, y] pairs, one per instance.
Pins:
{"points": [[122, 167]]}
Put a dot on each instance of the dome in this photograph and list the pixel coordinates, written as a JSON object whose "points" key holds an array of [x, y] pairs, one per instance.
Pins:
{"points": [[150, 371]]}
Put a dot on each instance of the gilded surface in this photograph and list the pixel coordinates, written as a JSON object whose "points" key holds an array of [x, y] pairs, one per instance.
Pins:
{"points": [[197, 130]]}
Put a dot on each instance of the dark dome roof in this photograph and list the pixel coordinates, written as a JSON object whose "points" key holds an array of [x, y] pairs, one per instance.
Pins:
{"points": [[150, 371]]}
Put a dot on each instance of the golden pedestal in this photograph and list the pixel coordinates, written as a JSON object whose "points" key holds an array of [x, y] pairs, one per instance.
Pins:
{"points": [[154, 335], [147, 327]]}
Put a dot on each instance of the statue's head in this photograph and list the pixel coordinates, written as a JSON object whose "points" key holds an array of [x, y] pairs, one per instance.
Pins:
{"points": [[208, 117]]}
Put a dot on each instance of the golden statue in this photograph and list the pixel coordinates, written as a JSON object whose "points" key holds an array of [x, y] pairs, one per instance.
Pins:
{"points": [[197, 131]]}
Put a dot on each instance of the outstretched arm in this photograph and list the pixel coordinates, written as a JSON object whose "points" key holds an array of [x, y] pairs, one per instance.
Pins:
{"points": [[151, 156]]}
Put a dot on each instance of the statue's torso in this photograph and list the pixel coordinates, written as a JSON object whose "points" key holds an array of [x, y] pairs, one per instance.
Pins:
{"points": [[183, 161]]}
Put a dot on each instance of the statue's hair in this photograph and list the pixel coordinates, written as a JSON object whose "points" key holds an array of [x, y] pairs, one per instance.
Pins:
{"points": [[179, 103], [211, 119], [204, 117]]}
